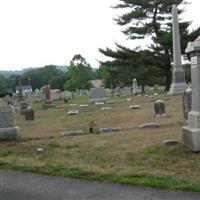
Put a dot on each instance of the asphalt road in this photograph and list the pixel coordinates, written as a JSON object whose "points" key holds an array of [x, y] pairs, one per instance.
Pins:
{"points": [[28, 186]]}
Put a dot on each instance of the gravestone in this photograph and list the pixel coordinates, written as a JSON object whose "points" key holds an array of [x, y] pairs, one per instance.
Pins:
{"points": [[191, 133], [118, 91], [110, 129], [187, 102], [23, 107], [73, 112], [170, 142], [159, 108], [149, 125], [178, 76], [37, 95], [7, 99], [133, 107], [83, 105], [73, 133], [99, 103], [29, 114], [105, 108], [128, 99], [8, 128], [47, 94], [97, 95], [47, 102], [75, 104], [135, 86], [139, 89]]}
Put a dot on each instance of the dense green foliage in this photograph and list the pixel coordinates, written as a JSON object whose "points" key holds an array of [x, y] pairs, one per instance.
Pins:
{"points": [[2, 82], [146, 19], [79, 74], [46, 75]]}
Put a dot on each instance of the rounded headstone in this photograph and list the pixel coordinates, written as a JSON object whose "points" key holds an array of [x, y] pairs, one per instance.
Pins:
{"points": [[170, 142]]}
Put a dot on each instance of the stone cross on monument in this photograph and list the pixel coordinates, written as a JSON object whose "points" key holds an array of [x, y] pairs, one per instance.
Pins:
{"points": [[191, 133], [178, 85]]}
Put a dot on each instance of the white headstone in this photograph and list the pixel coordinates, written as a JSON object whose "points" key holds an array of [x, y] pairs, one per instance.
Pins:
{"points": [[135, 86]]}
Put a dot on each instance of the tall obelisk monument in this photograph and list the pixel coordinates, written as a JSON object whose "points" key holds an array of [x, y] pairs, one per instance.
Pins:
{"points": [[178, 75]]}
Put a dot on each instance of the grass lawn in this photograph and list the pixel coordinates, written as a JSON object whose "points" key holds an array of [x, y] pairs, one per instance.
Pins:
{"points": [[132, 156]]}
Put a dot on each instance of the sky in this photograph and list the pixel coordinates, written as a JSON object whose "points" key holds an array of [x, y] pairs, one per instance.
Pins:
{"points": [[35, 33]]}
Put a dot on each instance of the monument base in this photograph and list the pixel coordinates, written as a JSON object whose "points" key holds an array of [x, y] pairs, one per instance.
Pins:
{"points": [[47, 105], [93, 101], [11, 133], [177, 88], [191, 138]]}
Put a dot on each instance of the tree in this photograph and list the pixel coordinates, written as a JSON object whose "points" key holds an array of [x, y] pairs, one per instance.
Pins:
{"points": [[128, 64], [152, 18], [2, 83], [58, 82], [79, 73], [43, 76]]}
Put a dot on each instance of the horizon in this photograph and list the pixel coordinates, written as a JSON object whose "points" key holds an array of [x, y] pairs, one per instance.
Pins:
{"points": [[40, 33]]}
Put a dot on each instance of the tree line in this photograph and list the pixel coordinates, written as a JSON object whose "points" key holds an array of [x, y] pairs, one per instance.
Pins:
{"points": [[77, 76], [150, 65]]}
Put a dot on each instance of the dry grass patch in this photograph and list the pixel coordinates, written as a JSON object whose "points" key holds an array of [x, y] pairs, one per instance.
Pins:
{"points": [[130, 153]]}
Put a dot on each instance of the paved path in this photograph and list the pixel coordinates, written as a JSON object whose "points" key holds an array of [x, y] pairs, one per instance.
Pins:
{"points": [[28, 186]]}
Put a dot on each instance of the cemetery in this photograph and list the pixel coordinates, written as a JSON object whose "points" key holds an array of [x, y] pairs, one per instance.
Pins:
{"points": [[117, 145], [135, 134]]}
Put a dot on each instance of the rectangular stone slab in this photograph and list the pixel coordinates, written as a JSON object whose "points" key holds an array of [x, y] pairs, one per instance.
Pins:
{"points": [[110, 129], [7, 117], [73, 133]]}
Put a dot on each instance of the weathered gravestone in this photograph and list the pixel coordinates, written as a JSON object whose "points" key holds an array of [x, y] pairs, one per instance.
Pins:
{"points": [[29, 114], [99, 103], [8, 128], [133, 107], [73, 133], [159, 108], [73, 112], [135, 86], [47, 102], [187, 102], [191, 133], [7, 99], [110, 129], [23, 107], [118, 91], [97, 95], [170, 142], [149, 125]]}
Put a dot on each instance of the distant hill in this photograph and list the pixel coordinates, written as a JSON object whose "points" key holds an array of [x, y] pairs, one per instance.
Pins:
{"points": [[16, 72], [21, 72]]}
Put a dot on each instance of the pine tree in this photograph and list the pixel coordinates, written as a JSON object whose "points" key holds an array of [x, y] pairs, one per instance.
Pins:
{"points": [[152, 19]]}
